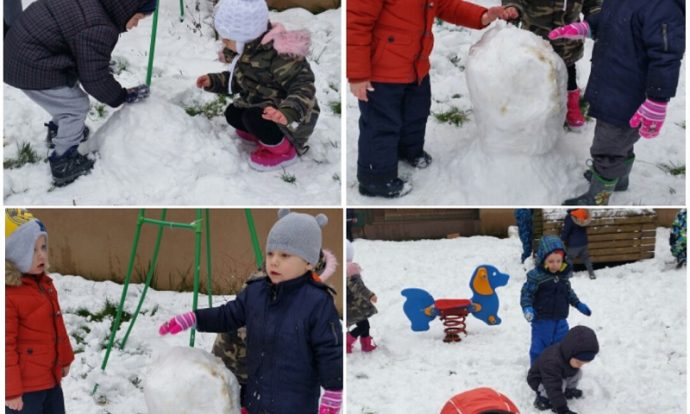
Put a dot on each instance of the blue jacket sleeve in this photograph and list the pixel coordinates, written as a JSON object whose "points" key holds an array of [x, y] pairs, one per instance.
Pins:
{"points": [[663, 34], [326, 339], [228, 317], [529, 288]]}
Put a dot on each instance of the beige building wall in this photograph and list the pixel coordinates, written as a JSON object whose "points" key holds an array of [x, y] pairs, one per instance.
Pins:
{"points": [[97, 243]]}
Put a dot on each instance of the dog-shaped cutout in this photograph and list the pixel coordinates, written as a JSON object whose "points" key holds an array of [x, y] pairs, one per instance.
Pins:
{"points": [[485, 280], [420, 307]]}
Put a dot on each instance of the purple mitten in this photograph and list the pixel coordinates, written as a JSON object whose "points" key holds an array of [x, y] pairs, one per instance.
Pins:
{"points": [[178, 324], [331, 402], [651, 115], [577, 30]]}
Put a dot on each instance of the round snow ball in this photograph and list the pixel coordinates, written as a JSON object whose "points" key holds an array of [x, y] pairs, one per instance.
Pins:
{"points": [[517, 86], [188, 380]]}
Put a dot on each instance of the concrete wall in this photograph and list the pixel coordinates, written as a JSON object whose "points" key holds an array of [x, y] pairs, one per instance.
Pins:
{"points": [[97, 243]]}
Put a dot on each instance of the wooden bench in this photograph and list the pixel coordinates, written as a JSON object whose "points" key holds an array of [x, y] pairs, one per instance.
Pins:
{"points": [[612, 237]]}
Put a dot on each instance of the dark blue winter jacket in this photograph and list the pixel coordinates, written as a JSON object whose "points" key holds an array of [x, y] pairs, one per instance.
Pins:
{"points": [[54, 43], [637, 52], [294, 342], [550, 294], [573, 235]]}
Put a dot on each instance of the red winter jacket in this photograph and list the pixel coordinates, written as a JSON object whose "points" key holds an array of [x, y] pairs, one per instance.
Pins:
{"points": [[477, 401], [36, 343], [390, 40]]}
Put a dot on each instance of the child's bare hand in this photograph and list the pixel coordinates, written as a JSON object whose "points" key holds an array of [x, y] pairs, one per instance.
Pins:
{"points": [[510, 13], [15, 404], [360, 89], [65, 371], [493, 13], [272, 114], [203, 82], [374, 299]]}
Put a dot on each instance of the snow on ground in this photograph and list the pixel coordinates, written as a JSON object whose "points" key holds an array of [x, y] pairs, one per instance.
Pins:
{"points": [[463, 174], [120, 388], [638, 313], [154, 153]]}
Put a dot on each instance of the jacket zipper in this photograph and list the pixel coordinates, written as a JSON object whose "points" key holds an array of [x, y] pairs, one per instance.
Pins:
{"points": [[664, 32]]}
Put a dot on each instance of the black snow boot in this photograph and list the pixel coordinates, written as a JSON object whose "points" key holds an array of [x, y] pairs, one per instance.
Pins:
{"points": [[390, 189], [69, 166], [542, 403], [623, 182], [53, 131], [571, 393], [600, 190], [421, 161]]}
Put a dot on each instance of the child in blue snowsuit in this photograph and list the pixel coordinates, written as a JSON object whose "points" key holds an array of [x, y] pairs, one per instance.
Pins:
{"points": [[523, 217], [547, 295], [294, 337]]}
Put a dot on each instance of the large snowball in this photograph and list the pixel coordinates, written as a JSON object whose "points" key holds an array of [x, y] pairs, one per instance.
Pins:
{"points": [[517, 87], [186, 380]]}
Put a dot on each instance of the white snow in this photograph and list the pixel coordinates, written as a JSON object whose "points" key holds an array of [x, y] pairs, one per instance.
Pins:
{"points": [[201, 384], [153, 153], [463, 173], [638, 313]]}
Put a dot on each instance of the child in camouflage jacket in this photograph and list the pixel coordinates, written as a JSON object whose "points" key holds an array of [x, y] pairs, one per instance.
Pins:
{"points": [[360, 305], [274, 104], [540, 17]]}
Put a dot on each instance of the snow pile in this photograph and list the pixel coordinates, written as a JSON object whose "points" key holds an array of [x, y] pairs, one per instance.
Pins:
{"points": [[638, 312], [201, 384], [517, 88]]}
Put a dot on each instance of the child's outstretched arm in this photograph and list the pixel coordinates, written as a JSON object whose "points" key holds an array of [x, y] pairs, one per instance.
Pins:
{"points": [[214, 82], [224, 318], [359, 289], [575, 301], [529, 288]]}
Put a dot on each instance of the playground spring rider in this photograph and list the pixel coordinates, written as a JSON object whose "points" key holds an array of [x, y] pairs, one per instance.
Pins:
{"points": [[421, 308]]}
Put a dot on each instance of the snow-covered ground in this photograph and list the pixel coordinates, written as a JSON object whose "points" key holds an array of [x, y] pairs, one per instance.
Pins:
{"points": [[121, 386], [638, 313], [461, 174], [153, 153]]}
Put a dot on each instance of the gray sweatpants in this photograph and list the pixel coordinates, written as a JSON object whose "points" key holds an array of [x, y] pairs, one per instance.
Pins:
{"points": [[570, 382], [68, 107], [583, 253], [610, 149]]}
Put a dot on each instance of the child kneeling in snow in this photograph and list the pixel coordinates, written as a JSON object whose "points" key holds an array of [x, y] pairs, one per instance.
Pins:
{"points": [[38, 352], [360, 305], [547, 294], [294, 334], [231, 347], [55, 48], [557, 371], [275, 104]]}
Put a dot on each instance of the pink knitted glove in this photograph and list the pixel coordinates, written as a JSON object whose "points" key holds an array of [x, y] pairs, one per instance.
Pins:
{"points": [[577, 30], [331, 402], [651, 115], [178, 324]]}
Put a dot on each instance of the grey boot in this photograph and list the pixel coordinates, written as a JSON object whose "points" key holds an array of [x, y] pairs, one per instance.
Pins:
{"points": [[600, 189], [623, 182]]}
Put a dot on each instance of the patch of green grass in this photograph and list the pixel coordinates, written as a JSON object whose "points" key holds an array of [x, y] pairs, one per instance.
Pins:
{"points": [[25, 155], [288, 178], [333, 86], [453, 116], [672, 168], [455, 60], [209, 109], [335, 106], [336, 177], [109, 310], [681, 124], [98, 111]]}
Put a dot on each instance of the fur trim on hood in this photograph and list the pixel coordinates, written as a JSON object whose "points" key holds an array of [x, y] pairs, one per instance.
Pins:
{"points": [[293, 43], [13, 277], [331, 264], [353, 269]]}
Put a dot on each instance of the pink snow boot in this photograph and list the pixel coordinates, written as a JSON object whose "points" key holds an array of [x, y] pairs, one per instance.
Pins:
{"points": [[367, 344], [246, 136], [574, 117], [350, 342], [273, 157]]}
